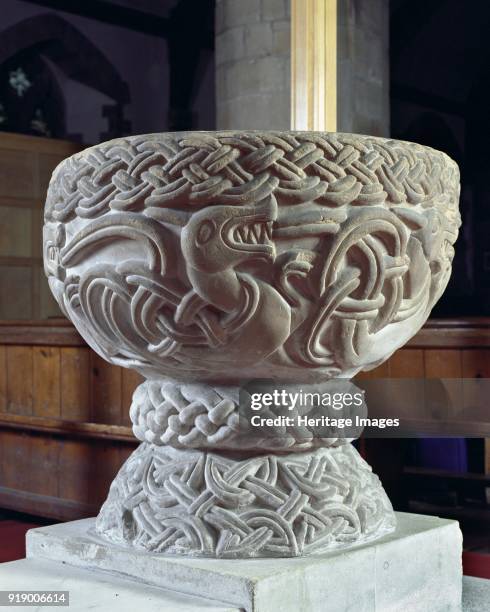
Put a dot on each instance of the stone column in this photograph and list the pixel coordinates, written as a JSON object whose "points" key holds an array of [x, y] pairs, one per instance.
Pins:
{"points": [[363, 67], [253, 50]]}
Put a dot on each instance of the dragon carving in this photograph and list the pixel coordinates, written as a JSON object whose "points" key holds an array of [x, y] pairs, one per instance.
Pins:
{"points": [[196, 255]]}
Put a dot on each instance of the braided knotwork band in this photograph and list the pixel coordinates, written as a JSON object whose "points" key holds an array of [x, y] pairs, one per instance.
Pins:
{"points": [[199, 415], [204, 504], [295, 239]]}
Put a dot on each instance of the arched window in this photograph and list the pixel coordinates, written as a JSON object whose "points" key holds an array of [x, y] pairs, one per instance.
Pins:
{"points": [[31, 100]]}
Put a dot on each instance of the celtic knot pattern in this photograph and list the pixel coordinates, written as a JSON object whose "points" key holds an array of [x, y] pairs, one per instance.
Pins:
{"points": [[205, 504], [184, 415], [202, 169], [198, 415], [200, 242], [203, 260]]}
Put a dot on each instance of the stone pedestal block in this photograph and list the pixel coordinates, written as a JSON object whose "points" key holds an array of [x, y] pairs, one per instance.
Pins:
{"points": [[98, 591], [417, 567]]}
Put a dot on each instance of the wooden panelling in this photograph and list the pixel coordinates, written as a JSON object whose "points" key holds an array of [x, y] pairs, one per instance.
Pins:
{"points": [[443, 363], [87, 469], [408, 363], [475, 366], [445, 399], [106, 391], [130, 380], [106, 460], [45, 505], [57, 332], [18, 173], [475, 363], [56, 477], [47, 162], [3, 379], [16, 459], [19, 379], [76, 459], [452, 333], [72, 429], [16, 284], [46, 381], [44, 464], [75, 383], [382, 371], [37, 144], [15, 232], [64, 425], [26, 163]]}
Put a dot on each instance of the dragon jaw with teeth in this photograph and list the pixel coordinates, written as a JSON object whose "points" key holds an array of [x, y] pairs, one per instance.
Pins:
{"points": [[214, 242], [219, 237]]}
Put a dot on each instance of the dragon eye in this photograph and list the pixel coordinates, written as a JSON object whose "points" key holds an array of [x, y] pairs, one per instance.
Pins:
{"points": [[205, 232]]}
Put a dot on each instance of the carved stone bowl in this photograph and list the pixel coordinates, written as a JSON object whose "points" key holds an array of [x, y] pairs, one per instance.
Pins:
{"points": [[235, 255], [204, 260]]}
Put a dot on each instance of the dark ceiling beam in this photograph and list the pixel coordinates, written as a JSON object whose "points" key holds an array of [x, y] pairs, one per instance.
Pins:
{"points": [[407, 93], [113, 14]]}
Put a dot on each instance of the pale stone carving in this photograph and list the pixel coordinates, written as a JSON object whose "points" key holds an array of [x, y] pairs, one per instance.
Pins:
{"points": [[203, 260], [268, 505], [197, 415]]}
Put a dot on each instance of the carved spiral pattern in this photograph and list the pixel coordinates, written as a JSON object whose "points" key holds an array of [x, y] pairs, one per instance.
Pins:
{"points": [[204, 504]]}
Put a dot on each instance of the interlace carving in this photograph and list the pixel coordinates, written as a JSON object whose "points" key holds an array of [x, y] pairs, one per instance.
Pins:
{"points": [[196, 415], [205, 504], [203, 260], [294, 239]]}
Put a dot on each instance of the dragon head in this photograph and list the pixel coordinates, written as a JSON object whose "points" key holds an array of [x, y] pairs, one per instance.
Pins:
{"points": [[219, 237]]}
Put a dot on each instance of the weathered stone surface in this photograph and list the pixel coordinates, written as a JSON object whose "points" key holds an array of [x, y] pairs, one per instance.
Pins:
{"points": [[206, 504], [231, 255], [237, 12], [274, 9], [203, 260], [198, 416], [259, 41], [230, 46], [476, 594], [253, 46], [101, 591], [418, 567], [97, 591]]}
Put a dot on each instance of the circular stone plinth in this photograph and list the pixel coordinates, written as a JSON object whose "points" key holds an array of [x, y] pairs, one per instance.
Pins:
{"points": [[200, 503]]}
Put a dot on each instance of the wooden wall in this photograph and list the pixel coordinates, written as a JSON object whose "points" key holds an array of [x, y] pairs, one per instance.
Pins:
{"points": [[64, 426], [443, 349], [26, 164]]}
